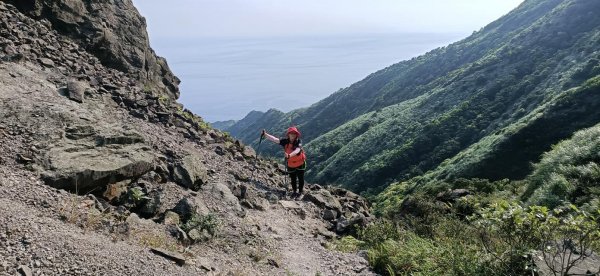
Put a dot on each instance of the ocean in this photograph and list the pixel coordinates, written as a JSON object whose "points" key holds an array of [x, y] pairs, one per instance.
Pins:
{"points": [[225, 78]]}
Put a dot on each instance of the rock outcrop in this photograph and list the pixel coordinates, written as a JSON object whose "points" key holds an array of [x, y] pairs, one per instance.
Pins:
{"points": [[86, 170], [112, 31], [191, 172]]}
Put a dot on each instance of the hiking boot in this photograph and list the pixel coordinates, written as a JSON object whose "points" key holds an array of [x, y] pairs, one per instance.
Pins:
{"points": [[298, 196]]}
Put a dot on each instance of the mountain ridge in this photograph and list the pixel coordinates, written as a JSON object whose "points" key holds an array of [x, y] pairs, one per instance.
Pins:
{"points": [[469, 89]]}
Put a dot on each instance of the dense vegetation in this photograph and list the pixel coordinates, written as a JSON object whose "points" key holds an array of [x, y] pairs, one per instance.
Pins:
{"points": [[502, 239], [481, 227], [484, 107]]}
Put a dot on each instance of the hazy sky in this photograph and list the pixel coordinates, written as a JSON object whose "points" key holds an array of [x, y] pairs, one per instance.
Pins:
{"points": [[201, 18], [235, 56]]}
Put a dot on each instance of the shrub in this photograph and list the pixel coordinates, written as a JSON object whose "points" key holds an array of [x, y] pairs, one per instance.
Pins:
{"points": [[570, 172], [409, 255], [346, 244], [511, 234], [379, 232], [209, 222]]}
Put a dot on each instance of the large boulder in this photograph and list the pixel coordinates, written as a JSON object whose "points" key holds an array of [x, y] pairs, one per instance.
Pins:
{"points": [[191, 173], [188, 207], [248, 152], [346, 225], [85, 169], [324, 199], [222, 193], [76, 91]]}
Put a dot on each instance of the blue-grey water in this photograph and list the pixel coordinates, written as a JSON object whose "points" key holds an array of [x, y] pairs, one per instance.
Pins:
{"points": [[225, 79]]}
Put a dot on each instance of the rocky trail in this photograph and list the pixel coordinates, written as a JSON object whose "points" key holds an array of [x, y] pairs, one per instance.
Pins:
{"points": [[102, 172]]}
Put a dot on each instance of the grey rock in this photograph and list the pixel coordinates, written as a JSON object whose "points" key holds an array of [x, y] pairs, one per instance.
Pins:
{"points": [[272, 198], [171, 218], [325, 233], [220, 151], [46, 62], [238, 156], [138, 114], [247, 204], [345, 225], [191, 173], [261, 204], [324, 199], [273, 262], [84, 170], [24, 270], [76, 90], [240, 191], [24, 159], [287, 204], [248, 152], [79, 132], [174, 256], [240, 175], [364, 254], [199, 235], [204, 264], [329, 215], [101, 28], [190, 206], [222, 193]]}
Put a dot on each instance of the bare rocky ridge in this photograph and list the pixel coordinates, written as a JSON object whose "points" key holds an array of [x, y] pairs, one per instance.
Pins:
{"points": [[112, 31], [99, 164]]}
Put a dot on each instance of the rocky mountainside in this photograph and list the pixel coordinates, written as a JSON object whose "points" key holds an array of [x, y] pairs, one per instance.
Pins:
{"points": [[490, 104], [102, 172]]}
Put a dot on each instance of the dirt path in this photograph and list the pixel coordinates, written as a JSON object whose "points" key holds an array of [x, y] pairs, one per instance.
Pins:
{"points": [[296, 228]]}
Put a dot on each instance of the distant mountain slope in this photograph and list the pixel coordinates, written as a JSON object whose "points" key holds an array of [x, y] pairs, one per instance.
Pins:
{"points": [[401, 81], [223, 124], [406, 119]]}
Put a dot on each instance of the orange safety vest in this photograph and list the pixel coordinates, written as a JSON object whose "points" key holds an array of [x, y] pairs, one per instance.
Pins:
{"points": [[294, 161]]}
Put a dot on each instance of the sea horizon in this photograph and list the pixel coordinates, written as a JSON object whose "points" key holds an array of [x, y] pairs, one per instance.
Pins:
{"points": [[224, 78]]}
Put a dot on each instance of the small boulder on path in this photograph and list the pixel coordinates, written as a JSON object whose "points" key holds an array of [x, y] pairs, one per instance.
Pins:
{"points": [[76, 90], [191, 173]]}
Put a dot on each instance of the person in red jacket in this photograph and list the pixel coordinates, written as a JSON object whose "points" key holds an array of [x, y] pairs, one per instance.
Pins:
{"points": [[294, 154]]}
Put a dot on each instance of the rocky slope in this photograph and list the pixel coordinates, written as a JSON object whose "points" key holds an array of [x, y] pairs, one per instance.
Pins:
{"points": [[102, 172]]}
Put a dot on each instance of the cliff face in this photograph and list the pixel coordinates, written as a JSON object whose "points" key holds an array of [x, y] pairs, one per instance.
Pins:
{"points": [[113, 31]]}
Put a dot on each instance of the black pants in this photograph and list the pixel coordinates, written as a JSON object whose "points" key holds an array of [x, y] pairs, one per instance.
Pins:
{"points": [[297, 176]]}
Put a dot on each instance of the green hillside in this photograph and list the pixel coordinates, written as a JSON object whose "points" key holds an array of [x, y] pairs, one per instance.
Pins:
{"points": [[490, 104]]}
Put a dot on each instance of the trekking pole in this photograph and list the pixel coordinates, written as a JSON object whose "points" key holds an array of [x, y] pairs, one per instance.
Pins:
{"points": [[285, 175], [262, 135]]}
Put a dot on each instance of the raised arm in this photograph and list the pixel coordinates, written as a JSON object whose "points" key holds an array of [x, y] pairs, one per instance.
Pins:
{"points": [[270, 137], [296, 151]]}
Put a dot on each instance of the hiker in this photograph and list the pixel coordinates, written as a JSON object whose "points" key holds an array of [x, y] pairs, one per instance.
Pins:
{"points": [[295, 157]]}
